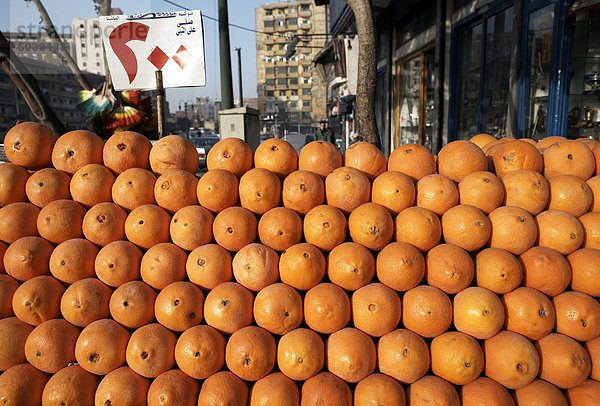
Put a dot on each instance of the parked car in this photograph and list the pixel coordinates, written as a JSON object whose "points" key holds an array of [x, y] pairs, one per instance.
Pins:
{"points": [[203, 145]]}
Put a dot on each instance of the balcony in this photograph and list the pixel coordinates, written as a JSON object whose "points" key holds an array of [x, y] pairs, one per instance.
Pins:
{"points": [[306, 26], [305, 13]]}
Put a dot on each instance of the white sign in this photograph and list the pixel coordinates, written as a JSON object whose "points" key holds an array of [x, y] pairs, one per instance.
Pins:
{"points": [[140, 44]]}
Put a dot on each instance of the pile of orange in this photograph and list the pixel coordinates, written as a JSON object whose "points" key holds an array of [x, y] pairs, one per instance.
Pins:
{"points": [[468, 278]]}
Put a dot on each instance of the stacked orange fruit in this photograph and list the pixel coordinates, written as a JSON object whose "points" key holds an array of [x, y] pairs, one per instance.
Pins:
{"points": [[275, 278]]}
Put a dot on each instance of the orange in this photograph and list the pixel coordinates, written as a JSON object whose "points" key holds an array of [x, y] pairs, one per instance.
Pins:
{"points": [[559, 230], [118, 263], [485, 391], [482, 139], [3, 248], [200, 351], [276, 155], [564, 362], [591, 225], [569, 158], [546, 270], [302, 191], [76, 149], [569, 193], [371, 225], [92, 184], [326, 308], [393, 190], [426, 310], [179, 306], [529, 312], [436, 193], [280, 228], [526, 189], [73, 260], [47, 185], [147, 226], [278, 308], [134, 188], [577, 315], [38, 300], [125, 150], [173, 388], [231, 154], [351, 354], [132, 304], [18, 220], [430, 390], [85, 301], [379, 389], [325, 389], [594, 184], [413, 160], [104, 223], [478, 312], [72, 385], [175, 189], [151, 350], [274, 389], [325, 227], [300, 354], [217, 190], [459, 158], [403, 355], [255, 266], [228, 307], [419, 227], [27, 258], [548, 141], [456, 357], [60, 220], [29, 144], [162, 265], [302, 266], [400, 266], [449, 268], [22, 385], [320, 157], [367, 158], [8, 286], [101, 346], [497, 270], [51, 345], [511, 359], [14, 180], [260, 190], [223, 388], [593, 348], [467, 227], [585, 273], [490, 149], [515, 155], [481, 189], [251, 353], [588, 393], [13, 333], [350, 266], [122, 386], [376, 309], [172, 152], [234, 228], [347, 188], [208, 266], [507, 222], [191, 227]]}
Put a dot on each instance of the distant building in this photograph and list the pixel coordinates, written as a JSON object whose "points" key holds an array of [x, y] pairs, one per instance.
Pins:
{"points": [[39, 46], [291, 95]]}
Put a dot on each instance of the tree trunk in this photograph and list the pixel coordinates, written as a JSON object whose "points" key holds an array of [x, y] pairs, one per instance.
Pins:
{"points": [[29, 87], [62, 49], [366, 125]]}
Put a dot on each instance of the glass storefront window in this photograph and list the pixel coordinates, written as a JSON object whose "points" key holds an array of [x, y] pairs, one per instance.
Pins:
{"points": [[468, 80]]}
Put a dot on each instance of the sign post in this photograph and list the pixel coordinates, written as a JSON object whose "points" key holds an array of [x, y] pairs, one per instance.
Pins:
{"points": [[160, 103]]}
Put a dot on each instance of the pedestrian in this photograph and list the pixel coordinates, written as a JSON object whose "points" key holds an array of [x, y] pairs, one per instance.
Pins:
{"points": [[323, 133]]}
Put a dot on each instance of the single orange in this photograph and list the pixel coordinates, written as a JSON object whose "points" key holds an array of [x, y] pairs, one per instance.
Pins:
{"points": [[38, 300], [393, 190], [449, 268], [208, 266], [134, 188], [104, 223], [85, 301], [179, 306], [27, 258], [320, 157], [73, 260], [300, 354], [255, 266], [497, 270], [350, 266], [147, 226], [51, 345], [251, 353], [276, 155], [302, 266], [436, 193], [234, 228], [325, 227], [173, 388], [173, 151], [426, 310], [275, 389], [217, 190], [76, 149], [151, 350], [546, 270], [45, 186], [125, 150], [508, 221], [278, 308], [118, 263], [467, 227], [228, 307], [175, 189], [223, 388], [456, 357], [350, 354], [302, 191], [162, 265], [481, 189], [413, 160], [101, 346], [132, 304], [200, 351], [376, 309], [92, 184], [511, 359], [191, 227], [419, 227], [367, 158], [347, 188], [326, 308], [29, 144], [371, 225], [231, 154], [280, 228], [526, 189]]}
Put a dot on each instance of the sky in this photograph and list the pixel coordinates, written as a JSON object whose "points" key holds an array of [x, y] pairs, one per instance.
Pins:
{"points": [[241, 12]]}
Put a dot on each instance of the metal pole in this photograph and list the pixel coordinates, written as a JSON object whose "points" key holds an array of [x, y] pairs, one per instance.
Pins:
{"points": [[239, 56], [160, 103], [224, 50]]}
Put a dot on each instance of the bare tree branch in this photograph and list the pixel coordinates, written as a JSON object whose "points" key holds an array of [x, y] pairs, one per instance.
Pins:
{"points": [[62, 49], [29, 87], [367, 72]]}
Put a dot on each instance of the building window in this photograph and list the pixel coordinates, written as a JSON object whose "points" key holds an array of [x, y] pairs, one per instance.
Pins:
{"points": [[282, 70], [305, 7], [270, 82], [269, 60], [268, 23], [306, 115], [305, 68], [269, 48], [292, 9], [293, 69], [268, 12], [281, 47], [306, 91], [293, 81], [280, 23], [270, 93], [292, 21], [293, 116], [305, 103], [293, 92], [270, 71], [282, 81]]}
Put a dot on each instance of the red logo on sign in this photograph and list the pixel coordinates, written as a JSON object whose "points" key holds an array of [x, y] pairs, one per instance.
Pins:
{"points": [[158, 58], [119, 38], [182, 57]]}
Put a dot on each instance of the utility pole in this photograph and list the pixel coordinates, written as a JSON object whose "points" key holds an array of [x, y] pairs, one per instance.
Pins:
{"points": [[225, 54], [239, 55]]}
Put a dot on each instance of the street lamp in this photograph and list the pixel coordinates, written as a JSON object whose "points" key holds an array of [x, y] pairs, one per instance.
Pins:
{"points": [[239, 55]]}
